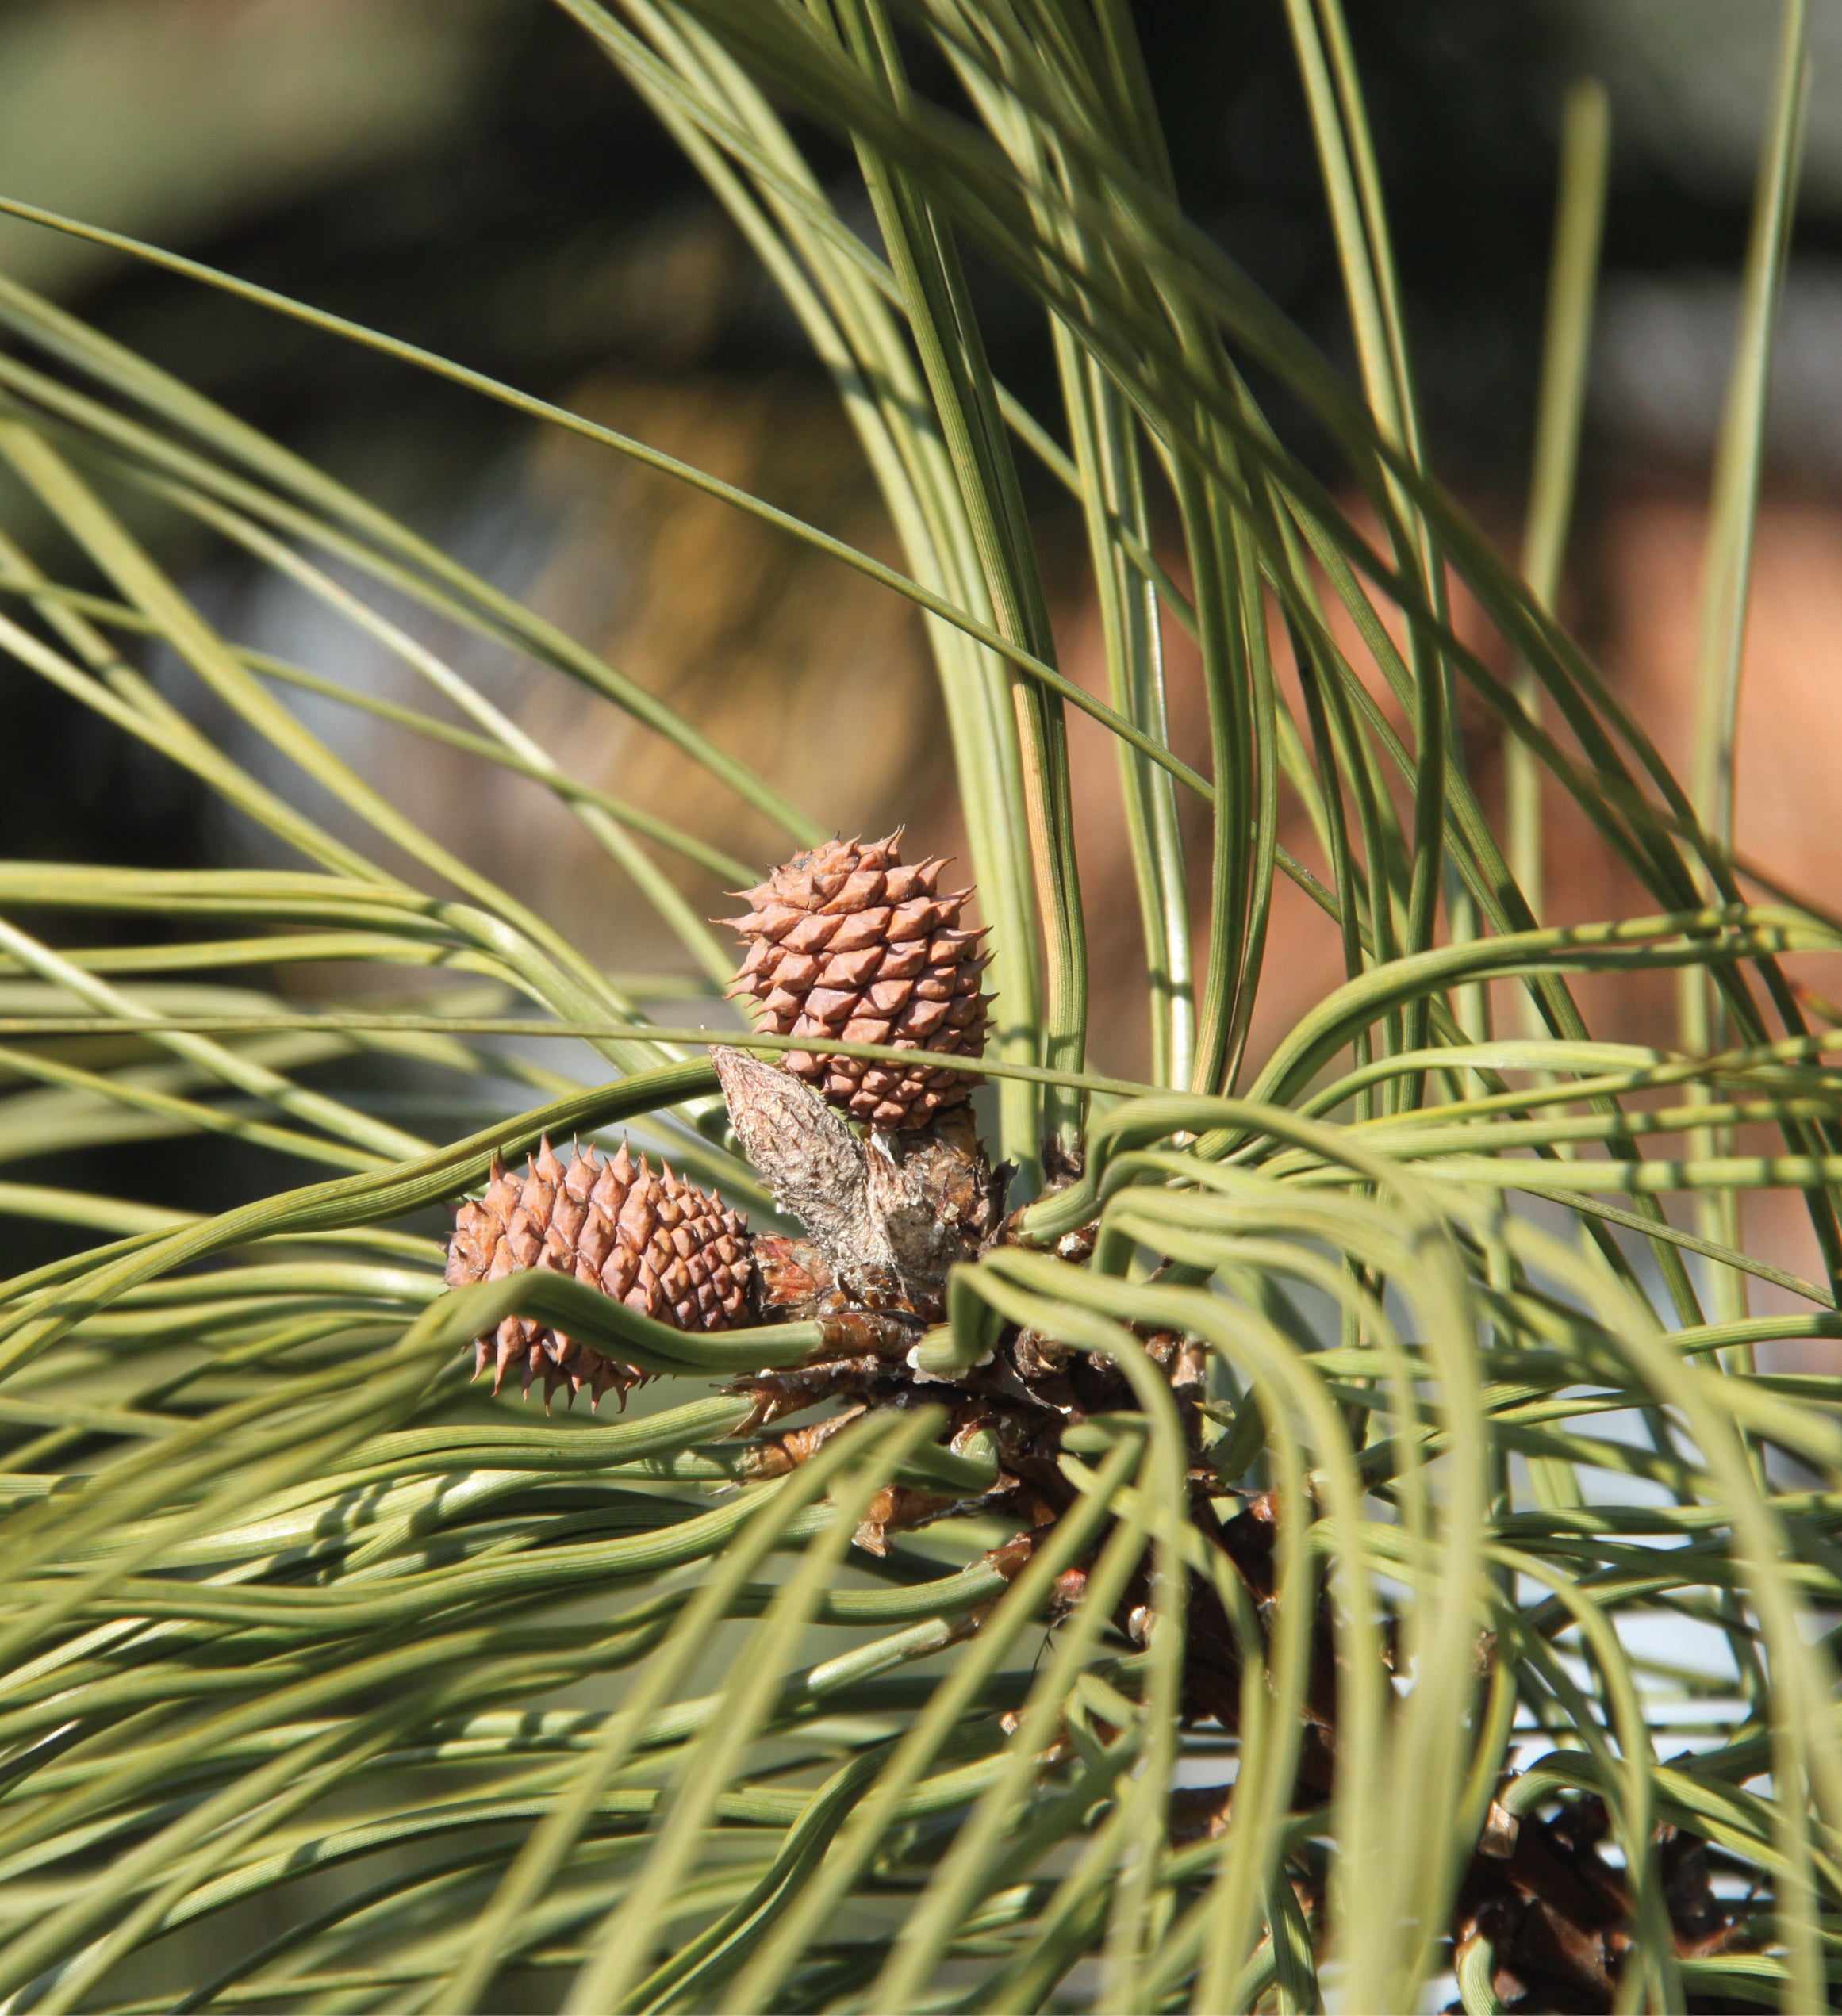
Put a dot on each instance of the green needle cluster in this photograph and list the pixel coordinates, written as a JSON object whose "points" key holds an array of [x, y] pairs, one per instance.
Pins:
{"points": [[328, 1683]]}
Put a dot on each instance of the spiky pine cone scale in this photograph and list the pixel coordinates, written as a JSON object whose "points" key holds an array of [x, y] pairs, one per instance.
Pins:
{"points": [[850, 943], [653, 1241]]}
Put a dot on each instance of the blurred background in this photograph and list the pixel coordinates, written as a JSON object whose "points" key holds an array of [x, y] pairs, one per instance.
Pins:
{"points": [[470, 174]]}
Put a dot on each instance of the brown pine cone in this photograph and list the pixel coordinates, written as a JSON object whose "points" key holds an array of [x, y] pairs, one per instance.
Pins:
{"points": [[847, 942], [659, 1244]]}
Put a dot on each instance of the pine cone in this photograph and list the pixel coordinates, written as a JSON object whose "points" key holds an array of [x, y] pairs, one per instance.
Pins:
{"points": [[846, 942], [654, 1242]]}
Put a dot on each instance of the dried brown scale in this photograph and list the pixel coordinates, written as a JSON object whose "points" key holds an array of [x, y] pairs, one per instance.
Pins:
{"points": [[849, 944], [796, 1284], [774, 1455], [777, 1394], [649, 1240], [896, 1506]]}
